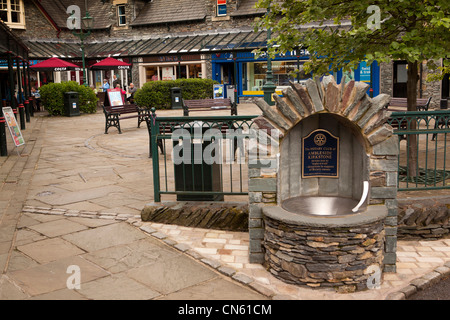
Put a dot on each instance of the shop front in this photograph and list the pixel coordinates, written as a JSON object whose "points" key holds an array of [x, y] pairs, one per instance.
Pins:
{"points": [[172, 67], [249, 72]]}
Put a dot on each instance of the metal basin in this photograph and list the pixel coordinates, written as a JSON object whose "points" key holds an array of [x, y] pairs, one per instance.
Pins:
{"points": [[320, 206]]}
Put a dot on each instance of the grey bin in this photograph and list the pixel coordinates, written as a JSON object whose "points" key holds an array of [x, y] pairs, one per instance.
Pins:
{"points": [[177, 99], [71, 104]]}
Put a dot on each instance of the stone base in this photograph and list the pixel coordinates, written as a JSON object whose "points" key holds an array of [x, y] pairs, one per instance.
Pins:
{"points": [[325, 251], [209, 215], [424, 218]]}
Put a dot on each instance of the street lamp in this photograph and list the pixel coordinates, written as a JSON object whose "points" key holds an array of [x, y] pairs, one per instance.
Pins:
{"points": [[269, 87], [85, 32]]}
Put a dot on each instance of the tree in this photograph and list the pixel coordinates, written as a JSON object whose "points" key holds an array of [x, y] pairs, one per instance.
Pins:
{"points": [[372, 30]]}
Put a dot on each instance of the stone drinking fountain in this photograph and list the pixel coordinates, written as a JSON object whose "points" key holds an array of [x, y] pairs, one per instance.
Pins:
{"points": [[326, 216]]}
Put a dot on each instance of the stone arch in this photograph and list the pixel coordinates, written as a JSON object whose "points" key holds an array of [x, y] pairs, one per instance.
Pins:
{"points": [[347, 100]]}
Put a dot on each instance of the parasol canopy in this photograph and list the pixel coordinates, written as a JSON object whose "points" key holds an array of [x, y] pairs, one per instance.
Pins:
{"points": [[55, 64], [111, 64]]}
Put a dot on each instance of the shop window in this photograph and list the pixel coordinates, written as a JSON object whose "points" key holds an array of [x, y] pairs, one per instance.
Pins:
{"points": [[151, 74], [12, 13], [195, 71], [121, 15], [181, 72], [283, 72]]}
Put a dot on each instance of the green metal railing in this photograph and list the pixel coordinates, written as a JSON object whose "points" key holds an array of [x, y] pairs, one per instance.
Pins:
{"points": [[197, 180], [424, 149]]}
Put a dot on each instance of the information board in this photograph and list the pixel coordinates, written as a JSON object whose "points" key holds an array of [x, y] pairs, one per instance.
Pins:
{"points": [[115, 97], [13, 127], [320, 155], [219, 91]]}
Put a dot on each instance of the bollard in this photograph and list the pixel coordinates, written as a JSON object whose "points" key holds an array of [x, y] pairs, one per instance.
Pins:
{"points": [[22, 116], [27, 110], [3, 145], [31, 106]]}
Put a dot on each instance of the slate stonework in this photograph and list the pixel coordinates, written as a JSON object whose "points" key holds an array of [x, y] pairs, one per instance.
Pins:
{"points": [[326, 256], [427, 219], [368, 116]]}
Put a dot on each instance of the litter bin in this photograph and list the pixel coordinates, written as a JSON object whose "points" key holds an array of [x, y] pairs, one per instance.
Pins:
{"points": [[230, 93], [71, 104], [194, 176], [177, 99], [444, 104]]}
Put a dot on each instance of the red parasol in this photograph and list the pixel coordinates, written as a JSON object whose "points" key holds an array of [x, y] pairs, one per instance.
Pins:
{"points": [[111, 64], [55, 64]]}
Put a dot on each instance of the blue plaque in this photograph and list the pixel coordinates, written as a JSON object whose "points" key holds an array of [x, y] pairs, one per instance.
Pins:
{"points": [[320, 155]]}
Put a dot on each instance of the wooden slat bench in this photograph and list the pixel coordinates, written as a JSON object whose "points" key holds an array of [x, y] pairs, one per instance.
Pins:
{"points": [[209, 105], [400, 104], [113, 115]]}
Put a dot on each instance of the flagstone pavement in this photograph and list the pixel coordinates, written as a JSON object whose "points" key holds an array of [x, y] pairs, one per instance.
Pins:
{"points": [[73, 198]]}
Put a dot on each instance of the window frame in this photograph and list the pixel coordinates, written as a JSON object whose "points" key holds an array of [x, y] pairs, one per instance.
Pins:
{"points": [[123, 15], [21, 14]]}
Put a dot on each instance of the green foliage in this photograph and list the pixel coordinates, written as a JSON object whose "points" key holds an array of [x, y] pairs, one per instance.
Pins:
{"points": [[157, 93], [409, 30], [52, 96]]}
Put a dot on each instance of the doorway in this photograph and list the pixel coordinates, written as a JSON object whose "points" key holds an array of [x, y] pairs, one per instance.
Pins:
{"points": [[400, 79]]}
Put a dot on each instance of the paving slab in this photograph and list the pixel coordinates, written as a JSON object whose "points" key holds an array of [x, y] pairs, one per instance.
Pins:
{"points": [[104, 237], [125, 257], [50, 250], [215, 289], [53, 276], [117, 287], [58, 228], [171, 275]]}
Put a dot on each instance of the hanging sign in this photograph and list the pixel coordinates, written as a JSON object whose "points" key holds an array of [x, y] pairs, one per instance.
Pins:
{"points": [[320, 155], [221, 8], [13, 127]]}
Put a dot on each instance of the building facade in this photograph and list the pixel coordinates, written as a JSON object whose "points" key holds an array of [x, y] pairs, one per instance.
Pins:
{"points": [[171, 39]]}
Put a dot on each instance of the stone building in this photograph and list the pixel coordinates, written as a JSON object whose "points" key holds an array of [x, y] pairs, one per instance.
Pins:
{"points": [[170, 39]]}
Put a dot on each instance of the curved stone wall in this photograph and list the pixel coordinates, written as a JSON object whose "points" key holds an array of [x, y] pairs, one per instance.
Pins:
{"points": [[324, 252]]}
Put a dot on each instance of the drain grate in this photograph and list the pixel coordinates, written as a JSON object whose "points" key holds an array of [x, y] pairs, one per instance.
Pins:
{"points": [[425, 176]]}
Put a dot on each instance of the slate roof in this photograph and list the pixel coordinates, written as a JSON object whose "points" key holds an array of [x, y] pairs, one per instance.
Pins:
{"points": [[246, 8], [165, 11], [224, 41], [56, 9]]}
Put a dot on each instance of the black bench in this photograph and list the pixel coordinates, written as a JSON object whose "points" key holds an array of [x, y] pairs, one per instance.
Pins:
{"points": [[113, 115], [209, 105], [167, 129], [442, 122]]}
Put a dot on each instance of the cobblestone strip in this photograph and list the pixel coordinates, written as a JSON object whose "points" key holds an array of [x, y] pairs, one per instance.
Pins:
{"points": [[135, 220], [421, 283]]}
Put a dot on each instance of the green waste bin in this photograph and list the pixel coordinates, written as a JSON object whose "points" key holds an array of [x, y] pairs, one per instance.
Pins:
{"points": [[177, 99], [71, 104], [200, 177]]}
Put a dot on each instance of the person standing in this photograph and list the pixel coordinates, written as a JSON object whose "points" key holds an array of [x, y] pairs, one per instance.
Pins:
{"points": [[37, 97], [116, 82], [105, 85]]}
